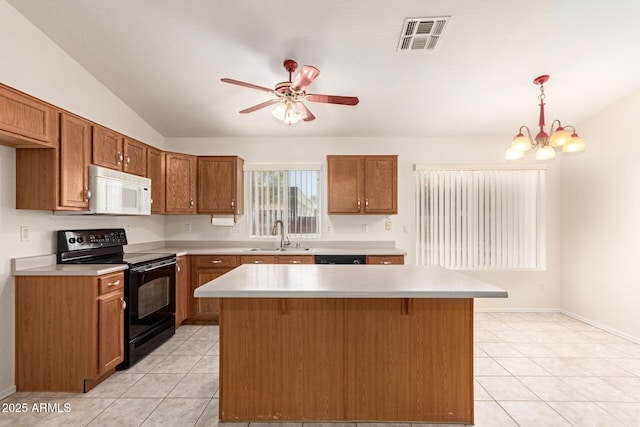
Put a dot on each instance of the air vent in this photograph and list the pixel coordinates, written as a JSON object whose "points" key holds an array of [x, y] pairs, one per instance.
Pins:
{"points": [[422, 33]]}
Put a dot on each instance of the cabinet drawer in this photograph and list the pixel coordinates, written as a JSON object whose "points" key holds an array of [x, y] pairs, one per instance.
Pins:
{"points": [[111, 282], [216, 261], [385, 259], [257, 259], [295, 259]]}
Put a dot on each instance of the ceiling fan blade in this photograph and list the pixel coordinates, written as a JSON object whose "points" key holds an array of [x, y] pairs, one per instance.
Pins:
{"points": [[332, 99], [249, 85], [261, 105], [307, 75], [308, 115]]}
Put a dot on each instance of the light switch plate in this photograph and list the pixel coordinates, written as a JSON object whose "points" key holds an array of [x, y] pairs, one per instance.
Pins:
{"points": [[25, 234]]}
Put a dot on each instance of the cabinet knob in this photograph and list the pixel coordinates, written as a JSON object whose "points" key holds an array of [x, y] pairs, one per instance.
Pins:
{"points": [[124, 304], [178, 269], [116, 283], [366, 203], [294, 262], [257, 261], [119, 157], [128, 159], [87, 194], [233, 203], [191, 203], [216, 261], [385, 262], [358, 203]]}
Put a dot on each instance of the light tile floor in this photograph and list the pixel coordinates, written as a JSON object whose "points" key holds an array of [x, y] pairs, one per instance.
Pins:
{"points": [[531, 369]]}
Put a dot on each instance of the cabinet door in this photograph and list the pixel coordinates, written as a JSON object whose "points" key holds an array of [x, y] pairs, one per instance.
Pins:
{"points": [[155, 172], [180, 183], [75, 156], [135, 157], [26, 121], [182, 290], [381, 185], [344, 177], [220, 185], [110, 331], [107, 148], [207, 308]]}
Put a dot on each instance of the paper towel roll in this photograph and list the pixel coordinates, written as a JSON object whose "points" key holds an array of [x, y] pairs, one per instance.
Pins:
{"points": [[222, 221]]}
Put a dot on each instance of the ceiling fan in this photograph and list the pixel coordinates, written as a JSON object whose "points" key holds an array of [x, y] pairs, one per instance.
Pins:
{"points": [[290, 94]]}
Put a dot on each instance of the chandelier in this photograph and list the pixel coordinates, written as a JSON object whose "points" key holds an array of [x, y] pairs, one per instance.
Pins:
{"points": [[545, 145]]}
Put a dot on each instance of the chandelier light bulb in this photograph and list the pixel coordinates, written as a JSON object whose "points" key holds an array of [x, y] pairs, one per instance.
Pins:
{"points": [[576, 144], [559, 137], [521, 143], [545, 153]]}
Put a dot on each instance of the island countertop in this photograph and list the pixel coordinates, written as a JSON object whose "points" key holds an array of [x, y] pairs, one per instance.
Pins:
{"points": [[346, 281]]}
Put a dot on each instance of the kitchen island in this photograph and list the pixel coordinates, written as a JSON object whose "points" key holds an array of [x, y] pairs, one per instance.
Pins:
{"points": [[338, 343]]}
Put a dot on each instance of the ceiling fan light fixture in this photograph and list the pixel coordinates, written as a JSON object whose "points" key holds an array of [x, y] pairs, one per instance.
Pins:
{"points": [[289, 112]]}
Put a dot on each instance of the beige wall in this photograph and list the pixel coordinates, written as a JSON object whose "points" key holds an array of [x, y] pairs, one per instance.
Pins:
{"points": [[33, 64], [601, 221]]}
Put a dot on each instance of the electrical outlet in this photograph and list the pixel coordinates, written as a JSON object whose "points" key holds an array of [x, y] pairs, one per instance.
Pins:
{"points": [[235, 228], [541, 287], [387, 224], [187, 228], [329, 230], [365, 228], [25, 234]]}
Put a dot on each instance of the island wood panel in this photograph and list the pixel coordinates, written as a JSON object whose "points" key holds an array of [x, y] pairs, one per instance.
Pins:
{"points": [[346, 359], [285, 360], [409, 360]]}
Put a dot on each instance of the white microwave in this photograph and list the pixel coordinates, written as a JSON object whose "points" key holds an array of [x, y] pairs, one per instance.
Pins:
{"points": [[118, 193]]}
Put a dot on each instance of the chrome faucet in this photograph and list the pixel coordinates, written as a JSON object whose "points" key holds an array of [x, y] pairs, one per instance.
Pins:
{"points": [[274, 232]]}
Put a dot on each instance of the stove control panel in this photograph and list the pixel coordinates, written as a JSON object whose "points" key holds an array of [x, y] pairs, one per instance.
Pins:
{"points": [[72, 240]]}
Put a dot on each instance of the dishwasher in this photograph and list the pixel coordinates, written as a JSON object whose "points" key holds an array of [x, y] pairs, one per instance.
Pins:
{"points": [[340, 259]]}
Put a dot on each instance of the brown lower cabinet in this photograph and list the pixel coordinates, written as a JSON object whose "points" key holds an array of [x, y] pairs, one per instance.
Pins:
{"points": [[205, 268], [69, 331], [182, 289]]}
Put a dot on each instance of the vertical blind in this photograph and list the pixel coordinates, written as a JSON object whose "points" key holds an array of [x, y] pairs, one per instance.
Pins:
{"points": [[480, 219], [291, 196]]}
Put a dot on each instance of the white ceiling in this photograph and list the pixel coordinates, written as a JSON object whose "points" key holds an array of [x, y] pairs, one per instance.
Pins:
{"points": [[165, 58]]}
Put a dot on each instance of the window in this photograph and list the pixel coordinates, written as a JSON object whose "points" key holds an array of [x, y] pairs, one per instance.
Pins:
{"points": [[287, 193], [480, 218]]}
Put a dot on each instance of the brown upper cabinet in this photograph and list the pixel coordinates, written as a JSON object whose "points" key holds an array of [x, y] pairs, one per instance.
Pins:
{"points": [[107, 148], [155, 172], [56, 179], [114, 151], [135, 157], [26, 121], [220, 185], [363, 184], [180, 187]]}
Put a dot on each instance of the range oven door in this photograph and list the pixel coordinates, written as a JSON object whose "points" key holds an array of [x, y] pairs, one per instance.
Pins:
{"points": [[150, 315]]}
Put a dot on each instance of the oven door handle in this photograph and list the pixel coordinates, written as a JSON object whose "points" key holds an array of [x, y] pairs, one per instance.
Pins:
{"points": [[154, 266]]}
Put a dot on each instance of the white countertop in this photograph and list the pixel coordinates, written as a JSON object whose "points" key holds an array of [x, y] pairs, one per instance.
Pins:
{"points": [[287, 251], [346, 281], [71, 270]]}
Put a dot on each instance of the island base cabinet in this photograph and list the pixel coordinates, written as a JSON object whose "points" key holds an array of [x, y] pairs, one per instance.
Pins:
{"points": [[336, 359], [409, 360]]}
